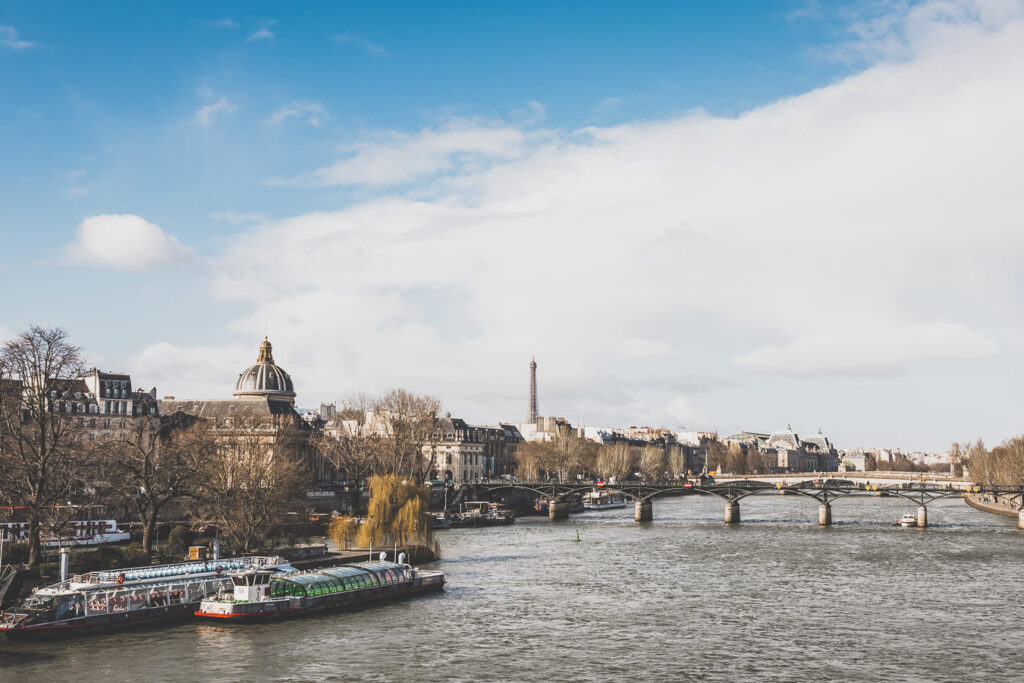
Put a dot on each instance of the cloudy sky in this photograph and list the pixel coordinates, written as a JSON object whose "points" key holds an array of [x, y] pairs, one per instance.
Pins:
{"points": [[712, 215]]}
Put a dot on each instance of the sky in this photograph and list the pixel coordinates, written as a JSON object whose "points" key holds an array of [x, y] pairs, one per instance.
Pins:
{"points": [[703, 215]]}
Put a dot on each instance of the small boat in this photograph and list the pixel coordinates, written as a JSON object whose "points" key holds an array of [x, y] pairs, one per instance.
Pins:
{"points": [[603, 500], [259, 595], [118, 598], [909, 519], [73, 533], [442, 521], [482, 513]]}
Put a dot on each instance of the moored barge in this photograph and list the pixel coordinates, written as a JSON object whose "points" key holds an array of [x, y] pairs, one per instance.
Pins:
{"points": [[259, 595], [119, 598]]}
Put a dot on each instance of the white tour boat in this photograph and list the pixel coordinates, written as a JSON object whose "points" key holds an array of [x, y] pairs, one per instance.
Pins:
{"points": [[259, 595], [603, 500], [118, 598]]}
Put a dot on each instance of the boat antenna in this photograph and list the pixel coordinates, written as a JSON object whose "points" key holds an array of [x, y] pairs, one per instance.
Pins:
{"points": [[371, 550]]}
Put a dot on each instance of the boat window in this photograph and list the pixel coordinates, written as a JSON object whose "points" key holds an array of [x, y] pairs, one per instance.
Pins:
{"points": [[39, 602], [69, 606]]}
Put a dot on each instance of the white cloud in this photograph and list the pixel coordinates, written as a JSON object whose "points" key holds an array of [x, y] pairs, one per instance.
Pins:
{"points": [[855, 229], [208, 371], [358, 40], [866, 353], [125, 242], [686, 413], [226, 22], [9, 39], [312, 113], [262, 34], [205, 114], [392, 158]]}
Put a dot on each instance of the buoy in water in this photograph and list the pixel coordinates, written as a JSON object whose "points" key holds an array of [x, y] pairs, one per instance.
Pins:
{"points": [[577, 539]]}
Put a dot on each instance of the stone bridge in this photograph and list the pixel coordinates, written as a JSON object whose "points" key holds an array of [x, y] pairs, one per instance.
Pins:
{"points": [[732, 491]]}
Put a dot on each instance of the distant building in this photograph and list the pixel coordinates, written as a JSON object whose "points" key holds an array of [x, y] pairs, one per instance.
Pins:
{"points": [[814, 454], [461, 452]]}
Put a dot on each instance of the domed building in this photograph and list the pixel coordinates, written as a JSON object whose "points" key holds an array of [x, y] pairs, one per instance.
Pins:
{"points": [[265, 379], [263, 403]]}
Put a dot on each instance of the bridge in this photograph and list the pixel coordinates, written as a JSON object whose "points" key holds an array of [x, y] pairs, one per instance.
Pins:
{"points": [[732, 491]]}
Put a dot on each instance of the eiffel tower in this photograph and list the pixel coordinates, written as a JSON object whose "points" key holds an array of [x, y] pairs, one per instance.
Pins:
{"points": [[533, 413]]}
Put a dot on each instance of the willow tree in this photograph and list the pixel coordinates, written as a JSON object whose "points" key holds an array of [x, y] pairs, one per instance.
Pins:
{"points": [[398, 514], [41, 455]]}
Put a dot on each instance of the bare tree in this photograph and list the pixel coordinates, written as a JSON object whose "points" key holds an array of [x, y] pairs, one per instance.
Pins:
{"points": [[406, 421], [352, 446], [617, 460], [253, 479], [159, 463], [653, 463], [41, 456]]}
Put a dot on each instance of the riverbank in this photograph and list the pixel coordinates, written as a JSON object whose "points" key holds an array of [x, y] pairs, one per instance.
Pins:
{"points": [[985, 503]]}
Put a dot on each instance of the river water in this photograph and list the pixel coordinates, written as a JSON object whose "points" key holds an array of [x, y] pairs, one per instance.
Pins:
{"points": [[683, 597]]}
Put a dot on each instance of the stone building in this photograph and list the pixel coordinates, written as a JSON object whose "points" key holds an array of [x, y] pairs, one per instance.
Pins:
{"points": [[813, 454], [462, 452]]}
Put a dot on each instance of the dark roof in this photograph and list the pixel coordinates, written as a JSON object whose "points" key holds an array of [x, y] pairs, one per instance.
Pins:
{"points": [[220, 409]]}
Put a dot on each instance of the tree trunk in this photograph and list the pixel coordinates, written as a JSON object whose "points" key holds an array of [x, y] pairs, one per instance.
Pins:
{"points": [[35, 547], [149, 529]]}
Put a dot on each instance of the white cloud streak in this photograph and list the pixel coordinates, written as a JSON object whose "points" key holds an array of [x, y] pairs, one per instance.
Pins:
{"points": [[9, 39], [205, 114], [125, 242], [359, 41], [261, 35], [310, 113], [393, 158]]}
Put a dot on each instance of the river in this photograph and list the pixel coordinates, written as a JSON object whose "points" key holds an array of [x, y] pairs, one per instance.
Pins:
{"points": [[774, 598]]}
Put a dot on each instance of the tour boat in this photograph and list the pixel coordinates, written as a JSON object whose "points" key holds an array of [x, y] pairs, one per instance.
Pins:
{"points": [[118, 598], [74, 533], [259, 594], [908, 519], [603, 500]]}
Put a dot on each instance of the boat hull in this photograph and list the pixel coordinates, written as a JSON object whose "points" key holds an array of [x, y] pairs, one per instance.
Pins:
{"points": [[102, 623]]}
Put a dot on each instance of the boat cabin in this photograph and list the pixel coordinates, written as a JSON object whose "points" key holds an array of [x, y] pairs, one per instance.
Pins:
{"points": [[251, 585]]}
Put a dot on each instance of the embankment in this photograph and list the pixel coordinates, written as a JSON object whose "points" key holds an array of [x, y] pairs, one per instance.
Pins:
{"points": [[986, 503]]}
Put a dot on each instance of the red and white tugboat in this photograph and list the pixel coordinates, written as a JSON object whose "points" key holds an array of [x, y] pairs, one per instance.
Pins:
{"points": [[260, 594]]}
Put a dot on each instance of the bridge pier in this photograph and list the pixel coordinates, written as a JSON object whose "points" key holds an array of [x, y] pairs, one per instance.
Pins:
{"points": [[922, 517], [558, 510], [1020, 519], [644, 511], [825, 514], [732, 512]]}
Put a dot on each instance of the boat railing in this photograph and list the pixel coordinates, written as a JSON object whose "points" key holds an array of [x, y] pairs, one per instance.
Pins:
{"points": [[171, 570]]}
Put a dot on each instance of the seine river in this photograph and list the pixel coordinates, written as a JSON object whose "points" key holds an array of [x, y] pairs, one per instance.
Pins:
{"points": [[684, 597]]}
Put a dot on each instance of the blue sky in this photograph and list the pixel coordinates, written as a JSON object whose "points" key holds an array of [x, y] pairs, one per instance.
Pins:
{"points": [[372, 181]]}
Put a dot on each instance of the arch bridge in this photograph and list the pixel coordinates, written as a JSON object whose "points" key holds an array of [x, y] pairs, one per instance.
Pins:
{"points": [[824, 491]]}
